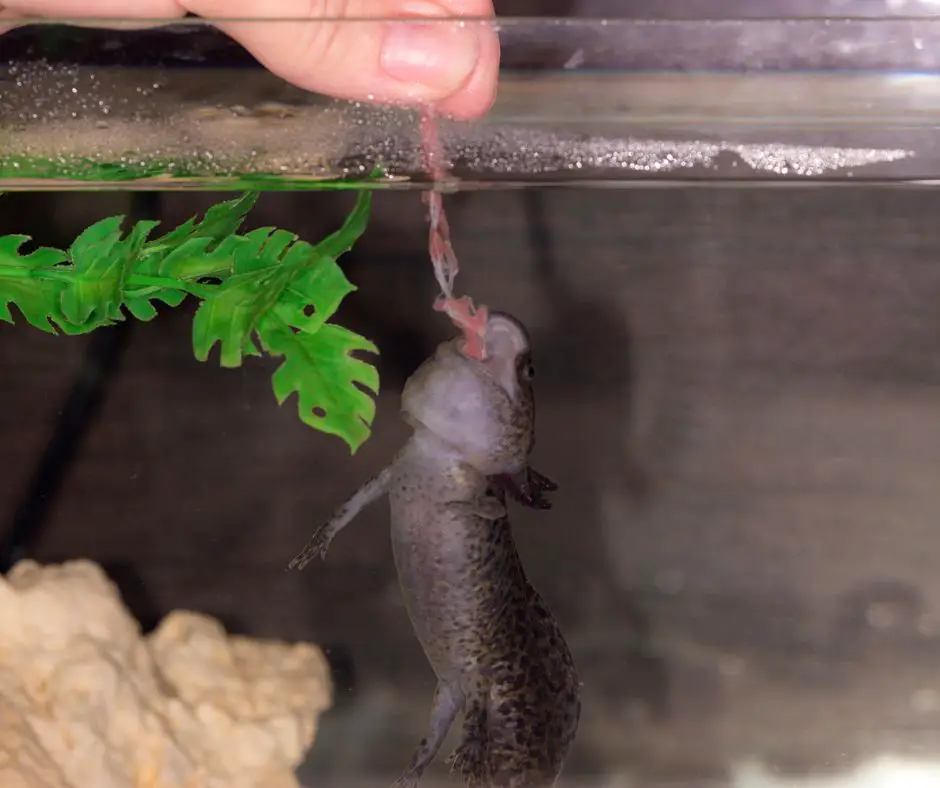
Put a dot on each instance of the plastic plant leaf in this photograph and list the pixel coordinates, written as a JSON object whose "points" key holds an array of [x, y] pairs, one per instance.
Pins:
{"points": [[221, 221], [262, 272], [101, 261], [346, 236], [191, 260], [314, 296], [142, 308], [274, 271], [36, 298], [192, 250], [326, 377], [274, 243], [262, 291], [229, 317]]}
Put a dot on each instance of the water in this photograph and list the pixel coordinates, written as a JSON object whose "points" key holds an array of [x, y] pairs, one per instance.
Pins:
{"points": [[580, 101], [733, 308], [661, 127]]}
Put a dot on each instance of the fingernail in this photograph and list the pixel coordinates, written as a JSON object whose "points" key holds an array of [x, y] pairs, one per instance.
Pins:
{"points": [[439, 56]]}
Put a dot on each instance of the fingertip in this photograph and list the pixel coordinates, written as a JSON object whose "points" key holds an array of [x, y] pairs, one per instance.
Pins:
{"points": [[477, 96], [420, 55], [468, 105], [438, 58]]}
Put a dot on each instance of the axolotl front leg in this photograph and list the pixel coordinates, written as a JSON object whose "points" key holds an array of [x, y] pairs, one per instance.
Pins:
{"points": [[319, 543], [525, 486]]}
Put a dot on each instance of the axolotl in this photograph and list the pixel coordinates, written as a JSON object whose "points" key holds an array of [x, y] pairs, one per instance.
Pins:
{"points": [[499, 655]]}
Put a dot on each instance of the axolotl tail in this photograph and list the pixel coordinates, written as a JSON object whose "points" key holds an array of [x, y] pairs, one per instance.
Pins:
{"points": [[530, 752], [529, 757], [519, 736]]}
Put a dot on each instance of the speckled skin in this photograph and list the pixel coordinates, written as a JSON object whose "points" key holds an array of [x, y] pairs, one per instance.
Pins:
{"points": [[499, 655]]}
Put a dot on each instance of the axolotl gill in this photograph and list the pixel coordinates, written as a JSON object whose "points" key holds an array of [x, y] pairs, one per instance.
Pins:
{"points": [[499, 655]]}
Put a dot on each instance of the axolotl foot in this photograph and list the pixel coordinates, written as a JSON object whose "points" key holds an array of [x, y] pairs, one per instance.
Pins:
{"points": [[469, 759], [316, 547], [409, 779], [526, 486]]}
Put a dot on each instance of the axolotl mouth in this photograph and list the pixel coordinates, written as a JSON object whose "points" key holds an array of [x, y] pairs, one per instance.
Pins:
{"points": [[526, 486], [471, 320]]}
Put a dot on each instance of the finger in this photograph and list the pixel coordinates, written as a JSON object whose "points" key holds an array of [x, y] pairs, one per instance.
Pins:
{"points": [[450, 64], [457, 68], [114, 9], [11, 10], [477, 96]]}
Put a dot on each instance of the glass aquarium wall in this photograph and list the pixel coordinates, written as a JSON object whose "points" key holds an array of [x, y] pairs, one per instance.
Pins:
{"points": [[718, 223], [580, 100]]}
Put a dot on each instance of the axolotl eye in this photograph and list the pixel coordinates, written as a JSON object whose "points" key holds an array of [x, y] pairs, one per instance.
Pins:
{"points": [[527, 370]]}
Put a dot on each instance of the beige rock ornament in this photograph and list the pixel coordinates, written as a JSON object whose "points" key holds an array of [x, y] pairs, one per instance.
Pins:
{"points": [[86, 700]]}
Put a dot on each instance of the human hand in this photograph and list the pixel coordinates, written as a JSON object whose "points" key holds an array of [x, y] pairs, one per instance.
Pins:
{"points": [[454, 67]]}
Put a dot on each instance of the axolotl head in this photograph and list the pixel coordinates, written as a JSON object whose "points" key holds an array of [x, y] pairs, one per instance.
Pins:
{"points": [[484, 410]]}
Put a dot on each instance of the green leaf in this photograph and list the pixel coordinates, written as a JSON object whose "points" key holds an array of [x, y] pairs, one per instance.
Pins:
{"points": [[221, 221], [228, 318], [355, 225], [195, 259], [230, 315], [267, 291], [272, 270], [192, 251], [313, 297], [282, 292], [101, 261], [274, 243], [142, 307], [36, 298], [197, 249], [322, 371]]}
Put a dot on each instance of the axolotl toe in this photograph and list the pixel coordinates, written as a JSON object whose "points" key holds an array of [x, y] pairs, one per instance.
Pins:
{"points": [[499, 655]]}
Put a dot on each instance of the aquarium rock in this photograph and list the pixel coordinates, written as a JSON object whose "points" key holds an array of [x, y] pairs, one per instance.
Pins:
{"points": [[86, 700]]}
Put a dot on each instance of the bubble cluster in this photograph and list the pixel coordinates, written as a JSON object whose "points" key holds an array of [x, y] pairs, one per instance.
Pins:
{"points": [[193, 124], [812, 161], [531, 152]]}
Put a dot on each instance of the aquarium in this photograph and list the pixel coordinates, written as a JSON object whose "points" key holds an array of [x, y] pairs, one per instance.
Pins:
{"points": [[700, 236]]}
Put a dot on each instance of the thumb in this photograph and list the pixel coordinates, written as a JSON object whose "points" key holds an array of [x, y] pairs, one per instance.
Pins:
{"points": [[357, 49]]}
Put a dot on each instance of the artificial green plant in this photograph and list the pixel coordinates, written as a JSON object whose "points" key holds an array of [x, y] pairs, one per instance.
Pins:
{"points": [[260, 292]]}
